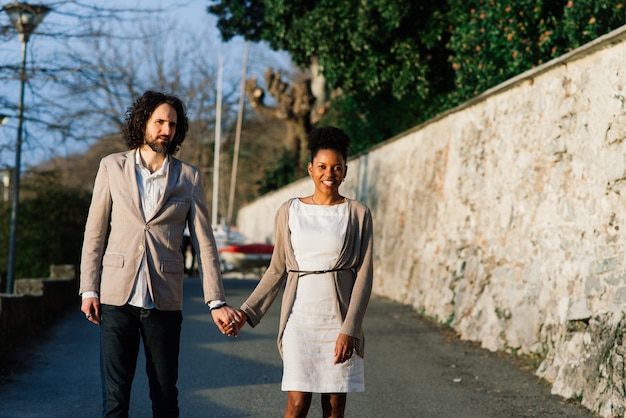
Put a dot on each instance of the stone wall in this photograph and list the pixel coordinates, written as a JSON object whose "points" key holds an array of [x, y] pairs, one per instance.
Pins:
{"points": [[35, 303], [505, 218]]}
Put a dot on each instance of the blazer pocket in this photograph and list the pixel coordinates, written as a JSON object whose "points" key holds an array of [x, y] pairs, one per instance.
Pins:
{"points": [[172, 266], [178, 201], [113, 260]]}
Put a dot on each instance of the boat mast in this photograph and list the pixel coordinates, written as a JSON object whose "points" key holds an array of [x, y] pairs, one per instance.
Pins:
{"points": [[218, 139], [233, 175]]}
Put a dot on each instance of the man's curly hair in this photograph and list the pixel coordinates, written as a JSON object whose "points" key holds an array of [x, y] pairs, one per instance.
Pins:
{"points": [[139, 113]]}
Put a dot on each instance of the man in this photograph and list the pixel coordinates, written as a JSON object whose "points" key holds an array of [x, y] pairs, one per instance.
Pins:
{"points": [[132, 266]]}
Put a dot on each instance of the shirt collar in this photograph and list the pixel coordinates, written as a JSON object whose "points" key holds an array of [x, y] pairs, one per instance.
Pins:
{"points": [[161, 171]]}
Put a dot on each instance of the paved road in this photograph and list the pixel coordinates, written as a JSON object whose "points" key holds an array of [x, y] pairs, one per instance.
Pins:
{"points": [[413, 369]]}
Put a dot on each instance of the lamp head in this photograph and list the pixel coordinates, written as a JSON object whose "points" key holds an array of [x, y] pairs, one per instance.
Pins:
{"points": [[6, 177], [26, 17]]}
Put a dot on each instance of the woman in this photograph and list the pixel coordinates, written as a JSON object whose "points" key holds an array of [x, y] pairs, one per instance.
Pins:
{"points": [[323, 250]]}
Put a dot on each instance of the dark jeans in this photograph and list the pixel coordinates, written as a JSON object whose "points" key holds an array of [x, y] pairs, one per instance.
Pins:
{"points": [[121, 329]]}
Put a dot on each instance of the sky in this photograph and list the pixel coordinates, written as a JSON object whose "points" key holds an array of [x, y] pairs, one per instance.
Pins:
{"points": [[188, 16]]}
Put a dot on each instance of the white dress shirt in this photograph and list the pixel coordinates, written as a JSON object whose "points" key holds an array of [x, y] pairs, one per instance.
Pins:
{"points": [[151, 189]]}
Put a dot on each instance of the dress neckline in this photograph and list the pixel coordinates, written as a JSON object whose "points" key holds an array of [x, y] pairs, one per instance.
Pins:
{"points": [[345, 201]]}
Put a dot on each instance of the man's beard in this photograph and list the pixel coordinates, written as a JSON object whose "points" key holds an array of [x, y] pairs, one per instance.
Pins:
{"points": [[159, 147]]}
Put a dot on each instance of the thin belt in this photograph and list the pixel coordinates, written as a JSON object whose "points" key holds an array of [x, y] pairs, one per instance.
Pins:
{"points": [[302, 273]]}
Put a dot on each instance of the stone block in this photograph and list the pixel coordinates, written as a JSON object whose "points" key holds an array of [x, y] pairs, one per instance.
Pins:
{"points": [[65, 271], [577, 309]]}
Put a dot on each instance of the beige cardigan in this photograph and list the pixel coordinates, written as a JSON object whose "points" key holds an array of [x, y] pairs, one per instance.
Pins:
{"points": [[353, 280]]}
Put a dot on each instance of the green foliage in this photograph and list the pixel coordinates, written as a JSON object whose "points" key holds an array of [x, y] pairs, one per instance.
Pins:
{"points": [[388, 57], [242, 17], [51, 221], [382, 46], [368, 123], [364, 47], [585, 20], [400, 62], [493, 41], [279, 175]]}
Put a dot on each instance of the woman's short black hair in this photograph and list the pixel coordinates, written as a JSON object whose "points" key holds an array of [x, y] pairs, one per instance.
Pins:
{"points": [[328, 137], [139, 113]]}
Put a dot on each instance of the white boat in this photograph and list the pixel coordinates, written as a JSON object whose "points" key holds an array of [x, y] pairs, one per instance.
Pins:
{"points": [[246, 256], [225, 235], [237, 253]]}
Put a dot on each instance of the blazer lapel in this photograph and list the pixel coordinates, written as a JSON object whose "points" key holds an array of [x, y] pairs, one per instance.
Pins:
{"points": [[130, 176], [172, 176]]}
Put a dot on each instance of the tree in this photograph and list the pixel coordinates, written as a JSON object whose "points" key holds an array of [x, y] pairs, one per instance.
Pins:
{"points": [[55, 52], [51, 226], [400, 62], [82, 94], [362, 47], [294, 107], [383, 56], [493, 41], [112, 75]]}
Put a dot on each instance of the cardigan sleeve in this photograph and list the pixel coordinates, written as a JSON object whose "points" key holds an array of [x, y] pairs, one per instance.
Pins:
{"points": [[362, 289], [261, 299]]}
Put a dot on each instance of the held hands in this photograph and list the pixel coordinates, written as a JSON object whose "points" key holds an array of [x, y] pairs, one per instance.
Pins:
{"points": [[228, 320], [232, 329], [344, 348]]}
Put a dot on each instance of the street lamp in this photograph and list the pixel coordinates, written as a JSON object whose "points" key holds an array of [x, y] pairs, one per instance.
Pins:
{"points": [[6, 182], [6, 173], [25, 17]]}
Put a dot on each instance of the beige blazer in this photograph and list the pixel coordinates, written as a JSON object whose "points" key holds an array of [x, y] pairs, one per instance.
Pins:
{"points": [[117, 237], [353, 278]]}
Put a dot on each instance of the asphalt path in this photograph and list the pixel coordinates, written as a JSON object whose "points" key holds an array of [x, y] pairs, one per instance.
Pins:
{"points": [[413, 368]]}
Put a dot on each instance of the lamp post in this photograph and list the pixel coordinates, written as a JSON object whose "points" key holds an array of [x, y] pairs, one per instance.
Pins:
{"points": [[25, 17], [6, 173]]}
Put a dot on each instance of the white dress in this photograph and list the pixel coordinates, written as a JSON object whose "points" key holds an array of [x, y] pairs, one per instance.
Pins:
{"points": [[317, 236]]}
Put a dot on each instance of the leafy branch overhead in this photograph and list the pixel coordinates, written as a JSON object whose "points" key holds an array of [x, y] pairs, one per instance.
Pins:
{"points": [[400, 62], [363, 47]]}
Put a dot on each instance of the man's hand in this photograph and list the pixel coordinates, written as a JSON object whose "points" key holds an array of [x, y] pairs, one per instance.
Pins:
{"points": [[226, 319], [91, 308]]}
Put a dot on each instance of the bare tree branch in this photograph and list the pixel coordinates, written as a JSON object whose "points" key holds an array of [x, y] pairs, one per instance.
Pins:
{"points": [[294, 105]]}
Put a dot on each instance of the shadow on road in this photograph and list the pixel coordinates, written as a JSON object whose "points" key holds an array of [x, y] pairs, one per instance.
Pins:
{"points": [[413, 369]]}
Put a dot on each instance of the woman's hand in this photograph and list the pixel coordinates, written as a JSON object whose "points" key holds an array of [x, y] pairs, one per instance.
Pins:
{"points": [[226, 319], [344, 348], [243, 318], [232, 328]]}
